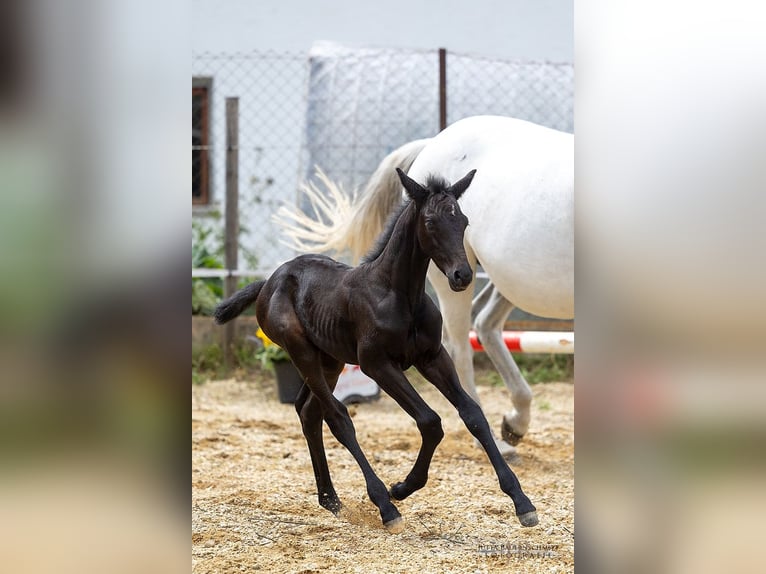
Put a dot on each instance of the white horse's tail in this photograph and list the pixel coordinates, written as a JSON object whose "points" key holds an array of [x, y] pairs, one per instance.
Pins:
{"points": [[348, 224]]}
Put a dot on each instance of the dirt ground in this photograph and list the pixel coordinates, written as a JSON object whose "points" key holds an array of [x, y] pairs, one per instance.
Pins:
{"points": [[254, 496]]}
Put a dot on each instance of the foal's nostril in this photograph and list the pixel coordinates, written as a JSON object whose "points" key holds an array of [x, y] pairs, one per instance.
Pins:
{"points": [[462, 277]]}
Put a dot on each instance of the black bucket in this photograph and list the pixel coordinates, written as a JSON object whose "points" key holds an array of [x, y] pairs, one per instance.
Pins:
{"points": [[289, 381]]}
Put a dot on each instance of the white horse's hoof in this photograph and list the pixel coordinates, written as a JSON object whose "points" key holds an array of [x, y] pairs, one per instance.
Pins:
{"points": [[507, 432], [395, 526], [528, 519], [507, 451]]}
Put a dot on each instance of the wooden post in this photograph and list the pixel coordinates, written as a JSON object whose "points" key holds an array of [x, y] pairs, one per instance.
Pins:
{"points": [[442, 88], [231, 238]]}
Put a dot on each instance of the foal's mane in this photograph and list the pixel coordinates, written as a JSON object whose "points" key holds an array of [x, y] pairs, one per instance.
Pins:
{"points": [[385, 235], [434, 184]]}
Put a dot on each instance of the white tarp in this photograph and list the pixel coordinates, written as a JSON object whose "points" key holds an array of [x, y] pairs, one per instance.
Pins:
{"points": [[364, 102]]}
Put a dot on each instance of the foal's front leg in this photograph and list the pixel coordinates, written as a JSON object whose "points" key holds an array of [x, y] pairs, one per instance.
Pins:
{"points": [[441, 373], [393, 381]]}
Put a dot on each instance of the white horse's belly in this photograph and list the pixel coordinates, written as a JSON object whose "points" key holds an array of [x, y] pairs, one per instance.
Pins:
{"points": [[527, 248], [536, 276], [520, 206]]}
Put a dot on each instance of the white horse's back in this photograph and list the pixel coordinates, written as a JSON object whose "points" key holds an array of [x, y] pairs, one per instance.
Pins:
{"points": [[520, 206]]}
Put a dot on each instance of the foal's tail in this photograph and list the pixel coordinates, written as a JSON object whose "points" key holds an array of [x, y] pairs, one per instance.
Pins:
{"points": [[339, 223], [241, 300]]}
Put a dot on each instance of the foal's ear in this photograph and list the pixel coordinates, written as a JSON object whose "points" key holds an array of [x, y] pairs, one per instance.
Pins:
{"points": [[416, 191], [457, 188]]}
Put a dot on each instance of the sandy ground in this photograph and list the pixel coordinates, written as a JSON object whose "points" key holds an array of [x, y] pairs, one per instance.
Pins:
{"points": [[254, 496]]}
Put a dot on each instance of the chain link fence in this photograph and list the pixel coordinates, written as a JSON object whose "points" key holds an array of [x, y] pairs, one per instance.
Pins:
{"points": [[342, 109], [271, 88], [540, 92]]}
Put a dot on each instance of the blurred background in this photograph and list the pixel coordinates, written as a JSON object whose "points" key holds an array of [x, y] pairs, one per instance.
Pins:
{"points": [[94, 396], [669, 400]]}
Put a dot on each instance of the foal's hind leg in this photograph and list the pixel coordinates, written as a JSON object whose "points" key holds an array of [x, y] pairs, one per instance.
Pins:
{"points": [[309, 361], [310, 414], [339, 421], [441, 373], [489, 327]]}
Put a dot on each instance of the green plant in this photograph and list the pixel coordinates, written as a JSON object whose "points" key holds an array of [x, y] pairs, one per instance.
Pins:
{"points": [[208, 253], [204, 297], [269, 352], [208, 359], [545, 368], [208, 291], [198, 377], [491, 378], [245, 357], [536, 368]]}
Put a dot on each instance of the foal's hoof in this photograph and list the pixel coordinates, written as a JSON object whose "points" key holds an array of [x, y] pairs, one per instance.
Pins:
{"points": [[508, 435], [528, 519], [395, 526], [397, 491], [336, 510], [332, 504]]}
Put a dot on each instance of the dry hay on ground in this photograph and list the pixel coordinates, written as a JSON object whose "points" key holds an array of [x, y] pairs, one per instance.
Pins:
{"points": [[254, 496]]}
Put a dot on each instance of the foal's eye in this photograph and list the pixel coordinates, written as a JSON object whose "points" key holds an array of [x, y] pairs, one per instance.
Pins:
{"points": [[430, 225]]}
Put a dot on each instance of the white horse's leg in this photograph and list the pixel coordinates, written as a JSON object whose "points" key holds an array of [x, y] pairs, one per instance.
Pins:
{"points": [[456, 315], [481, 300], [489, 326]]}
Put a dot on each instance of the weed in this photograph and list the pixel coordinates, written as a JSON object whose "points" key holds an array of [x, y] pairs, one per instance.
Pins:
{"points": [[489, 377], [536, 368], [198, 378], [208, 361], [545, 368]]}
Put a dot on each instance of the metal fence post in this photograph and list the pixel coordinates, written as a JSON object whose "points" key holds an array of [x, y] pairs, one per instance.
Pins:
{"points": [[231, 242], [442, 88]]}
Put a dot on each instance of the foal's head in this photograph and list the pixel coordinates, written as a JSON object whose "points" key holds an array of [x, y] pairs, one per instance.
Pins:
{"points": [[441, 225]]}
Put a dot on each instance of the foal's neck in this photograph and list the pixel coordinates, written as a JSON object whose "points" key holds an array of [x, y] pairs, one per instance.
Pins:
{"points": [[402, 260]]}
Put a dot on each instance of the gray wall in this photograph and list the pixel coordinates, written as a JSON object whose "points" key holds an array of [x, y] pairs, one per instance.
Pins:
{"points": [[517, 29]]}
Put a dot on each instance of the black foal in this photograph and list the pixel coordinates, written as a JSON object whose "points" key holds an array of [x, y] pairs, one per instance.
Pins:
{"points": [[377, 315]]}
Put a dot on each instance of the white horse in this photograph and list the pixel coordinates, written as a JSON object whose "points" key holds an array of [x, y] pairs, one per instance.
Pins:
{"points": [[521, 229]]}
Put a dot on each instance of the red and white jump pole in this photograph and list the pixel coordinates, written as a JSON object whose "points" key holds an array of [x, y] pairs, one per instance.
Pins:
{"points": [[532, 341], [354, 386]]}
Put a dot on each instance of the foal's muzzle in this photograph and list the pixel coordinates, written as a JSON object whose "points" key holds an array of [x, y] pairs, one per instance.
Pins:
{"points": [[460, 278]]}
